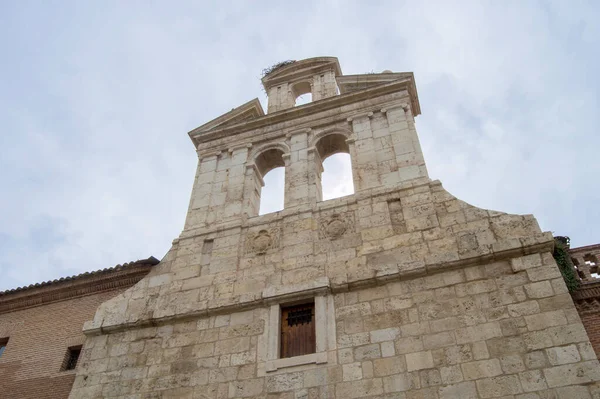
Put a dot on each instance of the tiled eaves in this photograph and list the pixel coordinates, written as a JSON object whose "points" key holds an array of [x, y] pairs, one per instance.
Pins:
{"points": [[119, 276]]}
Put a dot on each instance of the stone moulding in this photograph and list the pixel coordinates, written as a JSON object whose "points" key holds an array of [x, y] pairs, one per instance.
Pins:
{"points": [[407, 84], [502, 250]]}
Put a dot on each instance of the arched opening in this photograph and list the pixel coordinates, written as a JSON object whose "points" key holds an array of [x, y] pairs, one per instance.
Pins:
{"points": [[271, 169], [271, 196], [302, 93], [336, 178], [303, 99]]}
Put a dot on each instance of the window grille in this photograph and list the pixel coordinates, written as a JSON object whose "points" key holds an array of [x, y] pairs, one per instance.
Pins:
{"points": [[298, 330]]}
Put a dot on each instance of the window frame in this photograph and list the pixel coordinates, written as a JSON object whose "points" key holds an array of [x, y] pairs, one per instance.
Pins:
{"points": [[300, 331], [69, 355], [324, 334]]}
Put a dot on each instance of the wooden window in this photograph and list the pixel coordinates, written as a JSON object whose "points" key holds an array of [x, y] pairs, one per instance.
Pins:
{"points": [[298, 330], [3, 343], [71, 358]]}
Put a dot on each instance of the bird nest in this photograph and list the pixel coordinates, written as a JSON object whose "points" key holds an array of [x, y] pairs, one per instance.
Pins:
{"points": [[279, 65]]}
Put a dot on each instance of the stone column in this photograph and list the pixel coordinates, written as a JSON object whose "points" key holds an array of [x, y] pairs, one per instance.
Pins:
{"points": [[324, 85], [235, 182], [253, 184], [315, 164], [280, 97], [202, 191], [409, 157], [296, 170], [365, 156]]}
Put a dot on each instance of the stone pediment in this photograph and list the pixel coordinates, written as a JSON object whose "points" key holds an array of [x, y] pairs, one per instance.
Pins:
{"points": [[354, 83], [350, 83], [248, 111]]}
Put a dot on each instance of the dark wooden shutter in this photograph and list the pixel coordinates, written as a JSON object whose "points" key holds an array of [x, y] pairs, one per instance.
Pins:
{"points": [[298, 330]]}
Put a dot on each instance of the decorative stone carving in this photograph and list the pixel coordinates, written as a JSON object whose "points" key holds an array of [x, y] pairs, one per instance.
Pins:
{"points": [[263, 240], [336, 225]]}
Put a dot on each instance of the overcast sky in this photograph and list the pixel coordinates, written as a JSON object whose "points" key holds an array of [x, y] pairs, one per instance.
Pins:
{"points": [[96, 99]]}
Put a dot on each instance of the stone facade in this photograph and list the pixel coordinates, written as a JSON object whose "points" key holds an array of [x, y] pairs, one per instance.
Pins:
{"points": [[416, 293], [41, 322]]}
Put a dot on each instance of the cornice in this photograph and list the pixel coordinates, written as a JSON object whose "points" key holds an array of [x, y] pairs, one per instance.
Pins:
{"points": [[503, 250], [326, 104], [123, 277]]}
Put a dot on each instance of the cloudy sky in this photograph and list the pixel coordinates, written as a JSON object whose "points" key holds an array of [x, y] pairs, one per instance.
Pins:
{"points": [[96, 99]]}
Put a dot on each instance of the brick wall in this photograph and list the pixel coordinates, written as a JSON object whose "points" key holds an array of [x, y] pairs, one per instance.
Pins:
{"points": [[591, 322], [38, 341], [41, 322]]}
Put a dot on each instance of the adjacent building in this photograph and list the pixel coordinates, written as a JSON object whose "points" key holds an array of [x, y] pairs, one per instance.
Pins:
{"points": [[41, 329]]}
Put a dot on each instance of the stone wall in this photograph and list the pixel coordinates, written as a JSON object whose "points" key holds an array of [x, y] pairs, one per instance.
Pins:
{"points": [[417, 294], [478, 332], [451, 310]]}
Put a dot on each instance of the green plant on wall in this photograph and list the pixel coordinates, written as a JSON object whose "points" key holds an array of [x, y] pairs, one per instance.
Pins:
{"points": [[563, 259]]}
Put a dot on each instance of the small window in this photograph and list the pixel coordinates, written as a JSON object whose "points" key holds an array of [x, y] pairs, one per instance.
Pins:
{"points": [[71, 358], [298, 330], [3, 343]]}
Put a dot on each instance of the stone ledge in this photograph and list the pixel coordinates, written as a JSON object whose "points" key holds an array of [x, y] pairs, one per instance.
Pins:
{"points": [[245, 222], [313, 358], [502, 250], [290, 292]]}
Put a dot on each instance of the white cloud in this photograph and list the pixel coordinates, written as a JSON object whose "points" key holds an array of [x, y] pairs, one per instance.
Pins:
{"points": [[96, 101]]}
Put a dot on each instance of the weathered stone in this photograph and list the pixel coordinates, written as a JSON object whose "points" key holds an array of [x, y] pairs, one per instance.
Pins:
{"points": [[411, 293], [419, 360]]}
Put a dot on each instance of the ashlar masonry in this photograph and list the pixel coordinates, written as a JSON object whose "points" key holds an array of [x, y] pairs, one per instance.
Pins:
{"points": [[400, 290]]}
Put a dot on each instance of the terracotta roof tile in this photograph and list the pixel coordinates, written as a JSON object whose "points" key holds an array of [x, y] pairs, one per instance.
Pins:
{"points": [[150, 261]]}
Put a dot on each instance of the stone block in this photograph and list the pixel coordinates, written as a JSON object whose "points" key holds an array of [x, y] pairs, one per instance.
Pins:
{"points": [[386, 334], [563, 355], [439, 340], [544, 320], [541, 289], [400, 383], [532, 380], [389, 366], [419, 360], [359, 389], [284, 382], [246, 388], [481, 369], [352, 372], [451, 374], [387, 349], [366, 352], [463, 390], [499, 386], [572, 374]]}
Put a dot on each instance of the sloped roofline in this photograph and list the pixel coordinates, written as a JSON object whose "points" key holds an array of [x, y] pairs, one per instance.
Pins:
{"points": [[118, 276]]}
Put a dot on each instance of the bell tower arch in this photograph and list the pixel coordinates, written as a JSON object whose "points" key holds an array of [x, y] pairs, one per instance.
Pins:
{"points": [[288, 80]]}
